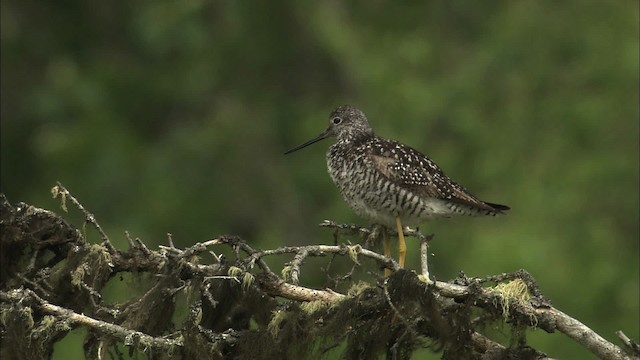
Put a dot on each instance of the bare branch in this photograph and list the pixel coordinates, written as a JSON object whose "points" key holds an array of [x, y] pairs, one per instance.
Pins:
{"points": [[220, 306], [424, 256], [548, 317], [585, 336], [301, 293], [60, 190], [125, 335], [633, 346]]}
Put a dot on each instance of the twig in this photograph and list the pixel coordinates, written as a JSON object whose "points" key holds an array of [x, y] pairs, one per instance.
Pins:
{"points": [[142, 246], [236, 242], [322, 250], [60, 190], [424, 256], [423, 259], [345, 229], [354, 229], [33, 284], [633, 346], [198, 248], [339, 279], [129, 239], [295, 265]]}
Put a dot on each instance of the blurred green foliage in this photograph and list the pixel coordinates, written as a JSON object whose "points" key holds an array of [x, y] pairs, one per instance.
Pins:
{"points": [[172, 116]]}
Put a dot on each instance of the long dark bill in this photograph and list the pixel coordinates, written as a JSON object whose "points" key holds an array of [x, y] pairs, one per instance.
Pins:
{"points": [[322, 136]]}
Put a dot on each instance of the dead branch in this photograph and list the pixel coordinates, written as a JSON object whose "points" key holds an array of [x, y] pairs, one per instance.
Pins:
{"points": [[47, 297], [127, 336]]}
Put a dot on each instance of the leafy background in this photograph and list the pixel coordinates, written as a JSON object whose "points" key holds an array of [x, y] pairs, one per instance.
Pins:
{"points": [[173, 116]]}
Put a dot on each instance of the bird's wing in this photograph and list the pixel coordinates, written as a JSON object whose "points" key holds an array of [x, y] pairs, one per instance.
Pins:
{"points": [[415, 172]]}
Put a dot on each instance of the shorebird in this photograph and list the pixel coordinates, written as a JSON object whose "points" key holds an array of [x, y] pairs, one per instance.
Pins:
{"points": [[389, 183]]}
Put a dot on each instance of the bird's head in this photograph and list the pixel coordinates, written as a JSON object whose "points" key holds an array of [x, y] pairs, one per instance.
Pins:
{"points": [[346, 123]]}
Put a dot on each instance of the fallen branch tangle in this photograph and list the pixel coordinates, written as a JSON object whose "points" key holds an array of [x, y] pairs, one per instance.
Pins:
{"points": [[542, 315], [395, 315]]}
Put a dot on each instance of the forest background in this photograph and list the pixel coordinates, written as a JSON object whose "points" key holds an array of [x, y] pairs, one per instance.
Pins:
{"points": [[172, 117]]}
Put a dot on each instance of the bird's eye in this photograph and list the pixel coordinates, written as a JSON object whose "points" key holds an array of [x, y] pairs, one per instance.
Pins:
{"points": [[336, 120]]}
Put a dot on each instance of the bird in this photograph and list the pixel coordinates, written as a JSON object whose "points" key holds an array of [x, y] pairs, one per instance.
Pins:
{"points": [[389, 183]]}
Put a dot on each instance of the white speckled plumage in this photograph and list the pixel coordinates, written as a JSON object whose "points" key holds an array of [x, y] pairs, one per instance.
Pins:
{"points": [[383, 179]]}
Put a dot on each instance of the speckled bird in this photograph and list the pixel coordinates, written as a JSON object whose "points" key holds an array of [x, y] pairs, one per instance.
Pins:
{"points": [[389, 183]]}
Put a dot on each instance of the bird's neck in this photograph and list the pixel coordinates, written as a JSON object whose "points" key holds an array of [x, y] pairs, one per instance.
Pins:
{"points": [[351, 138]]}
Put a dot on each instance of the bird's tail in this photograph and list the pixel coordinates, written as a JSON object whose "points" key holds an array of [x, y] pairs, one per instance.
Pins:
{"points": [[498, 207]]}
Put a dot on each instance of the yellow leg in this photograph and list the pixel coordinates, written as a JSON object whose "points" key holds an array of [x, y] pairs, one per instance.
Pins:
{"points": [[402, 246], [387, 249]]}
